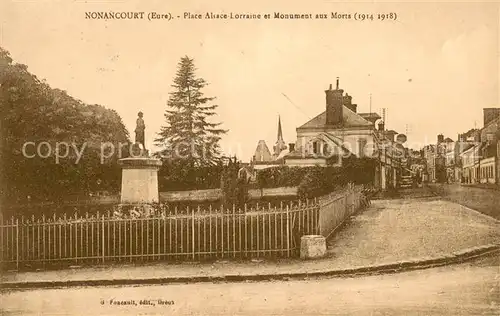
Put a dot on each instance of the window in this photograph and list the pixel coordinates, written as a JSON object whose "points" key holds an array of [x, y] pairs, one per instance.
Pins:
{"points": [[316, 147], [326, 149], [361, 147]]}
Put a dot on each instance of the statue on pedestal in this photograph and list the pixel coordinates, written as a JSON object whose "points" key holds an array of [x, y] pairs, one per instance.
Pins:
{"points": [[139, 131], [139, 173]]}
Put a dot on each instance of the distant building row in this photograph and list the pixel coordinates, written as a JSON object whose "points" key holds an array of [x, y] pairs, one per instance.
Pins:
{"points": [[473, 158]]}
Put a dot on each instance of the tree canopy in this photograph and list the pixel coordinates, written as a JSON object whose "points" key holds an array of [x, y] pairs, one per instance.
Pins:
{"points": [[189, 137], [34, 112]]}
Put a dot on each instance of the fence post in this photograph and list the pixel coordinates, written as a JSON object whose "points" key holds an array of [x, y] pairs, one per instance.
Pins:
{"points": [[192, 232], [346, 206], [1, 239], [17, 243], [318, 227], [102, 238], [288, 231]]}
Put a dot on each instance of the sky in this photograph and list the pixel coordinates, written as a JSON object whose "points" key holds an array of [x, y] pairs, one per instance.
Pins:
{"points": [[433, 69]]}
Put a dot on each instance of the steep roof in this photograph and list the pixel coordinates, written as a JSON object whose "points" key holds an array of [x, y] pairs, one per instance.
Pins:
{"points": [[372, 117], [280, 133], [262, 152], [350, 119]]}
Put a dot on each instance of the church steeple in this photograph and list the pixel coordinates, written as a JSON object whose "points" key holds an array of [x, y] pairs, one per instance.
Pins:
{"points": [[280, 143], [280, 133]]}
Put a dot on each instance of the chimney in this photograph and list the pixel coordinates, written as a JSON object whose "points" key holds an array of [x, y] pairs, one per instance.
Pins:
{"points": [[477, 136], [334, 105], [291, 146], [347, 101], [381, 126], [489, 114], [440, 138]]}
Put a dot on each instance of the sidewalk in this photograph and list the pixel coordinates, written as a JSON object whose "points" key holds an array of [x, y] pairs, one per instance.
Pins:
{"points": [[485, 199], [489, 186], [390, 235]]}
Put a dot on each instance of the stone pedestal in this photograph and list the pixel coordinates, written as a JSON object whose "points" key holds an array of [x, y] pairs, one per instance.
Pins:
{"points": [[312, 246], [139, 180]]}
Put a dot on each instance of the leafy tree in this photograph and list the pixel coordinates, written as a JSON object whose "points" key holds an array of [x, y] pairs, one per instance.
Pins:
{"points": [[189, 136], [32, 111]]}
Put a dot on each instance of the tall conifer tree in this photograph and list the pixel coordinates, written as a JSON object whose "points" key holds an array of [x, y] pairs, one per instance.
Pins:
{"points": [[188, 135]]}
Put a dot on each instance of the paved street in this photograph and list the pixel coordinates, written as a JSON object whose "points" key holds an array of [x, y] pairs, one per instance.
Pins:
{"points": [[466, 289]]}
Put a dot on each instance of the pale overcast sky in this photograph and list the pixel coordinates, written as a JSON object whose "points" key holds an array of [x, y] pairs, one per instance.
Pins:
{"points": [[433, 69]]}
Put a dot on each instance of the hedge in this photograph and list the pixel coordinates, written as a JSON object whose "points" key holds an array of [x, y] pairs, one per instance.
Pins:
{"points": [[316, 181]]}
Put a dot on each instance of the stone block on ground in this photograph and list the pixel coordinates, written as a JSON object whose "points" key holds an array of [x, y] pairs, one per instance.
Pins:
{"points": [[312, 247]]}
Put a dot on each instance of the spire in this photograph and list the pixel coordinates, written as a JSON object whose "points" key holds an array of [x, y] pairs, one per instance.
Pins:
{"points": [[280, 133], [280, 143]]}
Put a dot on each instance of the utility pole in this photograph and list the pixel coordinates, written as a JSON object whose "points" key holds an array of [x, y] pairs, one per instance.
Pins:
{"points": [[370, 104]]}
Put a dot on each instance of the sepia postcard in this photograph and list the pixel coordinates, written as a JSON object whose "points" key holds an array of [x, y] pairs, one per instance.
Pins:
{"points": [[249, 158]]}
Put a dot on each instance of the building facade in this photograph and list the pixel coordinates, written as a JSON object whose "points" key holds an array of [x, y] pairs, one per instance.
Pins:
{"points": [[341, 132], [480, 152]]}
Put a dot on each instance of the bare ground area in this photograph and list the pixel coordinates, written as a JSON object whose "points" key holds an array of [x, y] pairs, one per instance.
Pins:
{"points": [[403, 229]]}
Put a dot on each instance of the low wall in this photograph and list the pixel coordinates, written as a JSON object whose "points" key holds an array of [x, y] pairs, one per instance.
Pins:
{"points": [[215, 194], [169, 196], [192, 195], [336, 207], [268, 192]]}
